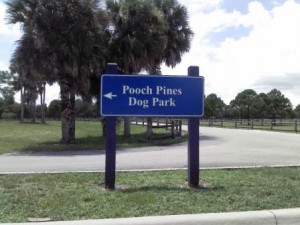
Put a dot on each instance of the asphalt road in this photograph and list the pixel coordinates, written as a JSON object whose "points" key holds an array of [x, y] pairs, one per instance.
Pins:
{"points": [[219, 148]]}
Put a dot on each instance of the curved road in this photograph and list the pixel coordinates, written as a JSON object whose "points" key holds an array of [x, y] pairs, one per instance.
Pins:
{"points": [[219, 148]]}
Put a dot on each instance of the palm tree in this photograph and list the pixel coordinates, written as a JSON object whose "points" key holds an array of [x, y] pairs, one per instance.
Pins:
{"points": [[69, 37], [73, 41], [25, 62], [144, 34], [137, 32], [179, 34]]}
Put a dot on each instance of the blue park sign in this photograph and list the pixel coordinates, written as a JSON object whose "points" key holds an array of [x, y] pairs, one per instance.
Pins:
{"points": [[152, 95]]}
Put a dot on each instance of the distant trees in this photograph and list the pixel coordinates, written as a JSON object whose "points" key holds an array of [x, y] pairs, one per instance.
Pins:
{"points": [[250, 105], [7, 92], [83, 109], [278, 105], [214, 106], [54, 109], [297, 111], [244, 104]]}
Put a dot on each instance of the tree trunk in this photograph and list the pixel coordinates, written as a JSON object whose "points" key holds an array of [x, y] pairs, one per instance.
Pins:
{"points": [[155, 71], [67, 114], [22, 105], [33, 110], [127, 126], [42, 97], [149, 129]]}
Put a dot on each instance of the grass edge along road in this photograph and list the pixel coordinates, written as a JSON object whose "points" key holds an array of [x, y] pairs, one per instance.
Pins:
{"points": [[29, 137], [76, 196], [291, 126]]}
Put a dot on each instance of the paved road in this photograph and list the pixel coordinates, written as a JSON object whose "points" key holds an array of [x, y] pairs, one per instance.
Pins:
{"points": [[218, 148]]}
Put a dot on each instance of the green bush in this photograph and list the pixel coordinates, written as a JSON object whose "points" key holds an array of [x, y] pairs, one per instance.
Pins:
{"points": [[9, 115]]}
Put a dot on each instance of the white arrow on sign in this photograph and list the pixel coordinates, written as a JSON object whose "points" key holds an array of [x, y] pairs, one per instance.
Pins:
{"points": [[110, 95]]}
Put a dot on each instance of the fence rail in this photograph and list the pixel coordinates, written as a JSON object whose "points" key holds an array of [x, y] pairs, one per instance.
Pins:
{"points": [[175, 125], [261, 124]]}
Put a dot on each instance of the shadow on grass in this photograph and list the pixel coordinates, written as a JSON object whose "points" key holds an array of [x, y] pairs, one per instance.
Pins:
{"points": [[162, 188], [83, 146], [34, 123], [91, 145], [172, 188]]}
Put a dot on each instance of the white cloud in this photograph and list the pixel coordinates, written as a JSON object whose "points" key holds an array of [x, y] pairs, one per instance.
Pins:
{"points": [[8, 35], [270, 50], [3, 66], [11, 31], [195, 6], [52, 92]]}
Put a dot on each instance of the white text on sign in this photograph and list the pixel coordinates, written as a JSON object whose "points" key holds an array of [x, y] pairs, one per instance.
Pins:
{"points": [[155, 101]]}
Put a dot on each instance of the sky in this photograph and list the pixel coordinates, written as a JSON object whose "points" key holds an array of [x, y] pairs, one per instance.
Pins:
{"points": [[238, 45]]}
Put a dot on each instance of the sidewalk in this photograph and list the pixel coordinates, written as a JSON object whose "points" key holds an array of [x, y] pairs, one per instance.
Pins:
{"points": [[265, 217]]}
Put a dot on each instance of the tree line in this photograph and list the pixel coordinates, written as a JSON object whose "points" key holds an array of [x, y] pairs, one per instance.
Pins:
{"points": [[70, 42], [250, 105], [29, 110], [246, 105]]}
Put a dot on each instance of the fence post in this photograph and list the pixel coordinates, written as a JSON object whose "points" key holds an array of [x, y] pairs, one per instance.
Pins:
{"points": [[235, 123], [296, 124], [167, 123], [222, 122], [173, 129], [180, 127], [271, 124], [252, 124]]}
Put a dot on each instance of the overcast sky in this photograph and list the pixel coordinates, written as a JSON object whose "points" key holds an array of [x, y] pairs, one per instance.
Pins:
{"points": [[238, 44]]}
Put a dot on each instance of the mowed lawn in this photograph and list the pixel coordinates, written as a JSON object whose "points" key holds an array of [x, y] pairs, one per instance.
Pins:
{"points": [[20, 137], [73, 196]]}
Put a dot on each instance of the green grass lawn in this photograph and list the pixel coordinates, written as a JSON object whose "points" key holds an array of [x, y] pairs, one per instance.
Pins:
{"points": [[20, 137], [82, 196]]}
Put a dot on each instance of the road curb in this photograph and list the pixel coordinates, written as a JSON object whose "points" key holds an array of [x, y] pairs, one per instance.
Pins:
{"points": [[264, 217]]}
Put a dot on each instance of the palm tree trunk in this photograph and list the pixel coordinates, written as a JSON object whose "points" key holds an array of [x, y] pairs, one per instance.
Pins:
{"points": [[127, 127], [154, 71], [33, 110], [149, 128], [67, 114], [72, 116], [22, 105], [42, 96]]}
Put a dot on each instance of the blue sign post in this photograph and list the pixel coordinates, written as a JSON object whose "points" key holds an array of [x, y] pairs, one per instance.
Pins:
{"points": [[193, 141], [144, 95], [149, 96], [110, 155]]}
